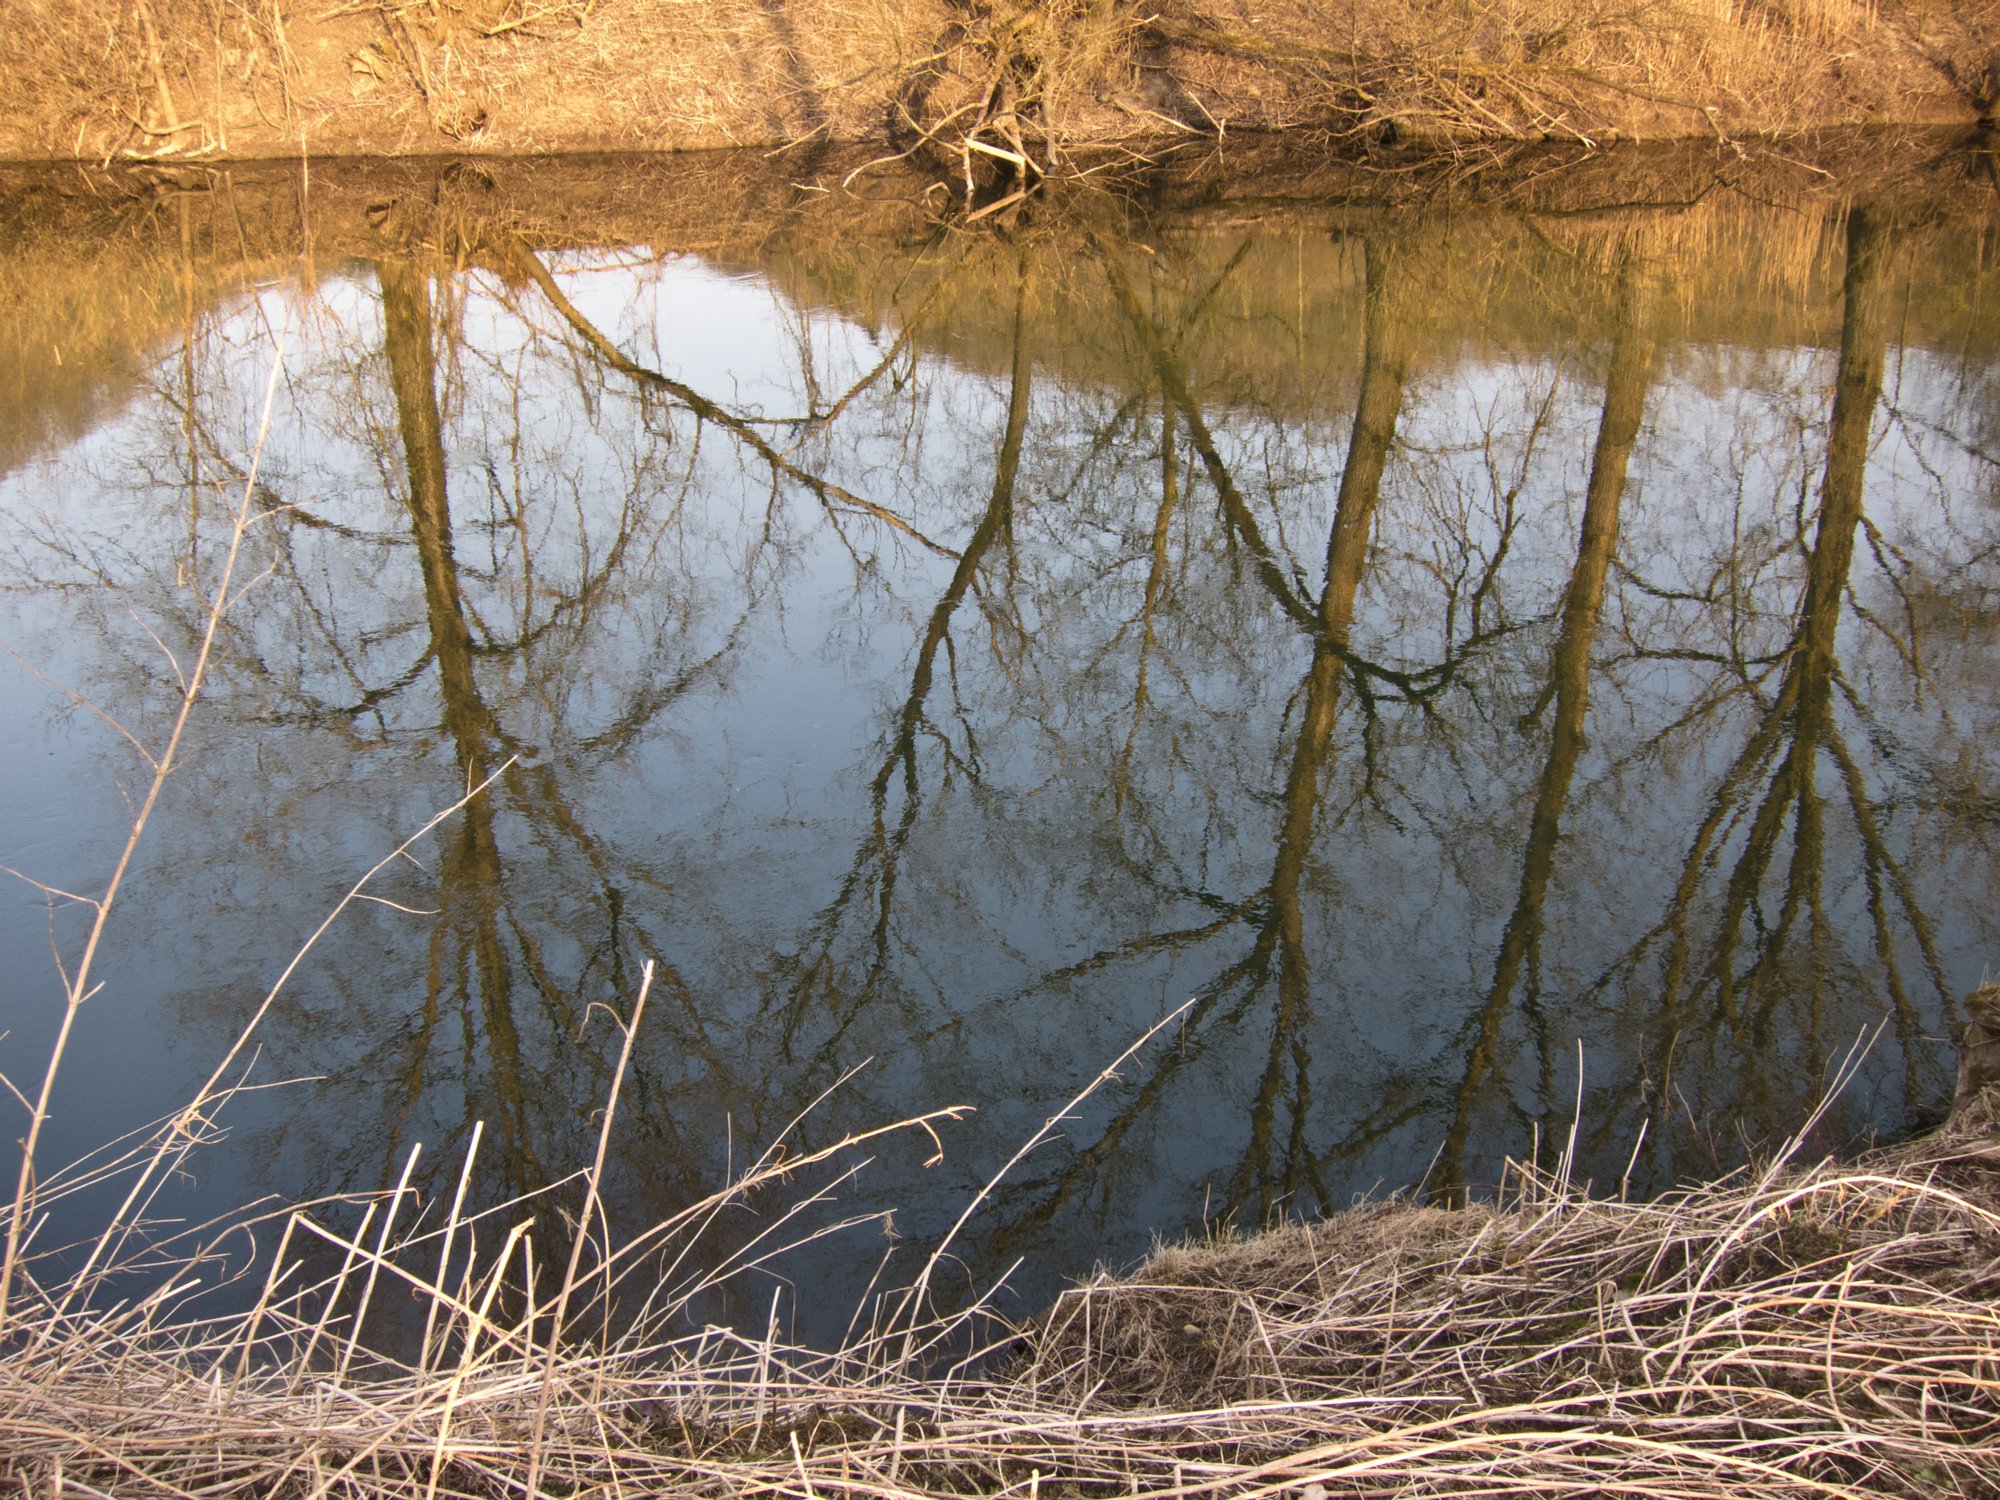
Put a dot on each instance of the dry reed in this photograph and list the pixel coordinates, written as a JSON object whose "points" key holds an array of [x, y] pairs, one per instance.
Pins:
{"points": [[1824, 1330]]}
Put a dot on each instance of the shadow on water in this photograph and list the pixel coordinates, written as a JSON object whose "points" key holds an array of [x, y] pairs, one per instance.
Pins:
{"points": [[1441, 644]]}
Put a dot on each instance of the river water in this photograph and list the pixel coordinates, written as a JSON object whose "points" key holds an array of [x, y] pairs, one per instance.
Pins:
{"points": [[1479, 669]]}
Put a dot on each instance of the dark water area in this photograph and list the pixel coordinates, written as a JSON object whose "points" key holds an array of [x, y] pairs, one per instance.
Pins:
{"points": [[1495, 663]]}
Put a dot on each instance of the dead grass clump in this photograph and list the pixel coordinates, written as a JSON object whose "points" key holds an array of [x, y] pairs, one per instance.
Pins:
{"points": [[1786, 1331], [1470, 70], [1961, 39], [141, 80]]}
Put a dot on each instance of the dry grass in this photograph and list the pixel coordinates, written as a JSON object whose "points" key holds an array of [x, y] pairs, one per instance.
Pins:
{"points": [[1002, 92], [1825, 1331], [1586, 73]]}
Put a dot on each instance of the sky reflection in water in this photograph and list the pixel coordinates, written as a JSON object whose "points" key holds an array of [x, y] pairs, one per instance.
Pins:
{"points": [[1440, 651]]}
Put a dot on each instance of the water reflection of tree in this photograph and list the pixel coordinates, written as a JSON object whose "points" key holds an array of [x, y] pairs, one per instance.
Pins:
{"points": [[485, 960], [1475, 1094], [1246, 651], [817, 995], [492, 1028], [1725, 973], [1261, 1182], [539, 912], [1280, 1162], [489, 943], [1517, 967]]}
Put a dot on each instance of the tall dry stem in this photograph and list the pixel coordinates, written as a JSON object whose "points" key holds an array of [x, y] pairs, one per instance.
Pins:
{"points": [[79, 987], [596, 1177], [915, 1302], [175, 1139]]}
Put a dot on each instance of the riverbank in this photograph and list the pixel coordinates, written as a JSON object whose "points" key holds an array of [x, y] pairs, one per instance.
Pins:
{"points": [[1022, 86], [1791, 1330]]}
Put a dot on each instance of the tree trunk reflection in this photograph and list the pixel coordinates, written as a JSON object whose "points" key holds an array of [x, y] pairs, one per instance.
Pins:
{"points": [[1518, 964], [1261, 1183], [469, 959]]}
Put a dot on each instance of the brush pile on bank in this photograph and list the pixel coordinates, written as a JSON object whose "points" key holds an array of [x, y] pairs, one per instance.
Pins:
{"points": [[1827, 1331]]}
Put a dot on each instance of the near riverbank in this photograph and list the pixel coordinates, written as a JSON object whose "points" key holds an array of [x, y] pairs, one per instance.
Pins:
{"points": [[1024, 86], [1792, 1331]]}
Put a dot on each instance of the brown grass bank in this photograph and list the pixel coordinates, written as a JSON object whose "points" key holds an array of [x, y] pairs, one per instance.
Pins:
{"points": [[1798, 1330], [1020, 86]]}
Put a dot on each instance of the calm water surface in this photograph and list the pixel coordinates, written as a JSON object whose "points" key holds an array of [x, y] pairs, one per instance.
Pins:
{"points": [[1451, 651]]}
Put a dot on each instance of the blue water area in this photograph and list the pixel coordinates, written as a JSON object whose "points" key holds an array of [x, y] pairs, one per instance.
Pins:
{"points": [[1493, 683]]}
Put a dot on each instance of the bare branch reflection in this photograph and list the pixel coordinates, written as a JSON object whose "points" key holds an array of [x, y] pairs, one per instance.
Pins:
{"points": [[1430, 642]]}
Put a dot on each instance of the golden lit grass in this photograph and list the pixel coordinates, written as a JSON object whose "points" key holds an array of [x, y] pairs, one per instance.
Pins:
{"points": [[1586, 73], [1018, 86]]}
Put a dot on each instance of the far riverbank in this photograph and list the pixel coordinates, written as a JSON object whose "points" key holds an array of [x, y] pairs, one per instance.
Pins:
{"points": [[1019, 87]]}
